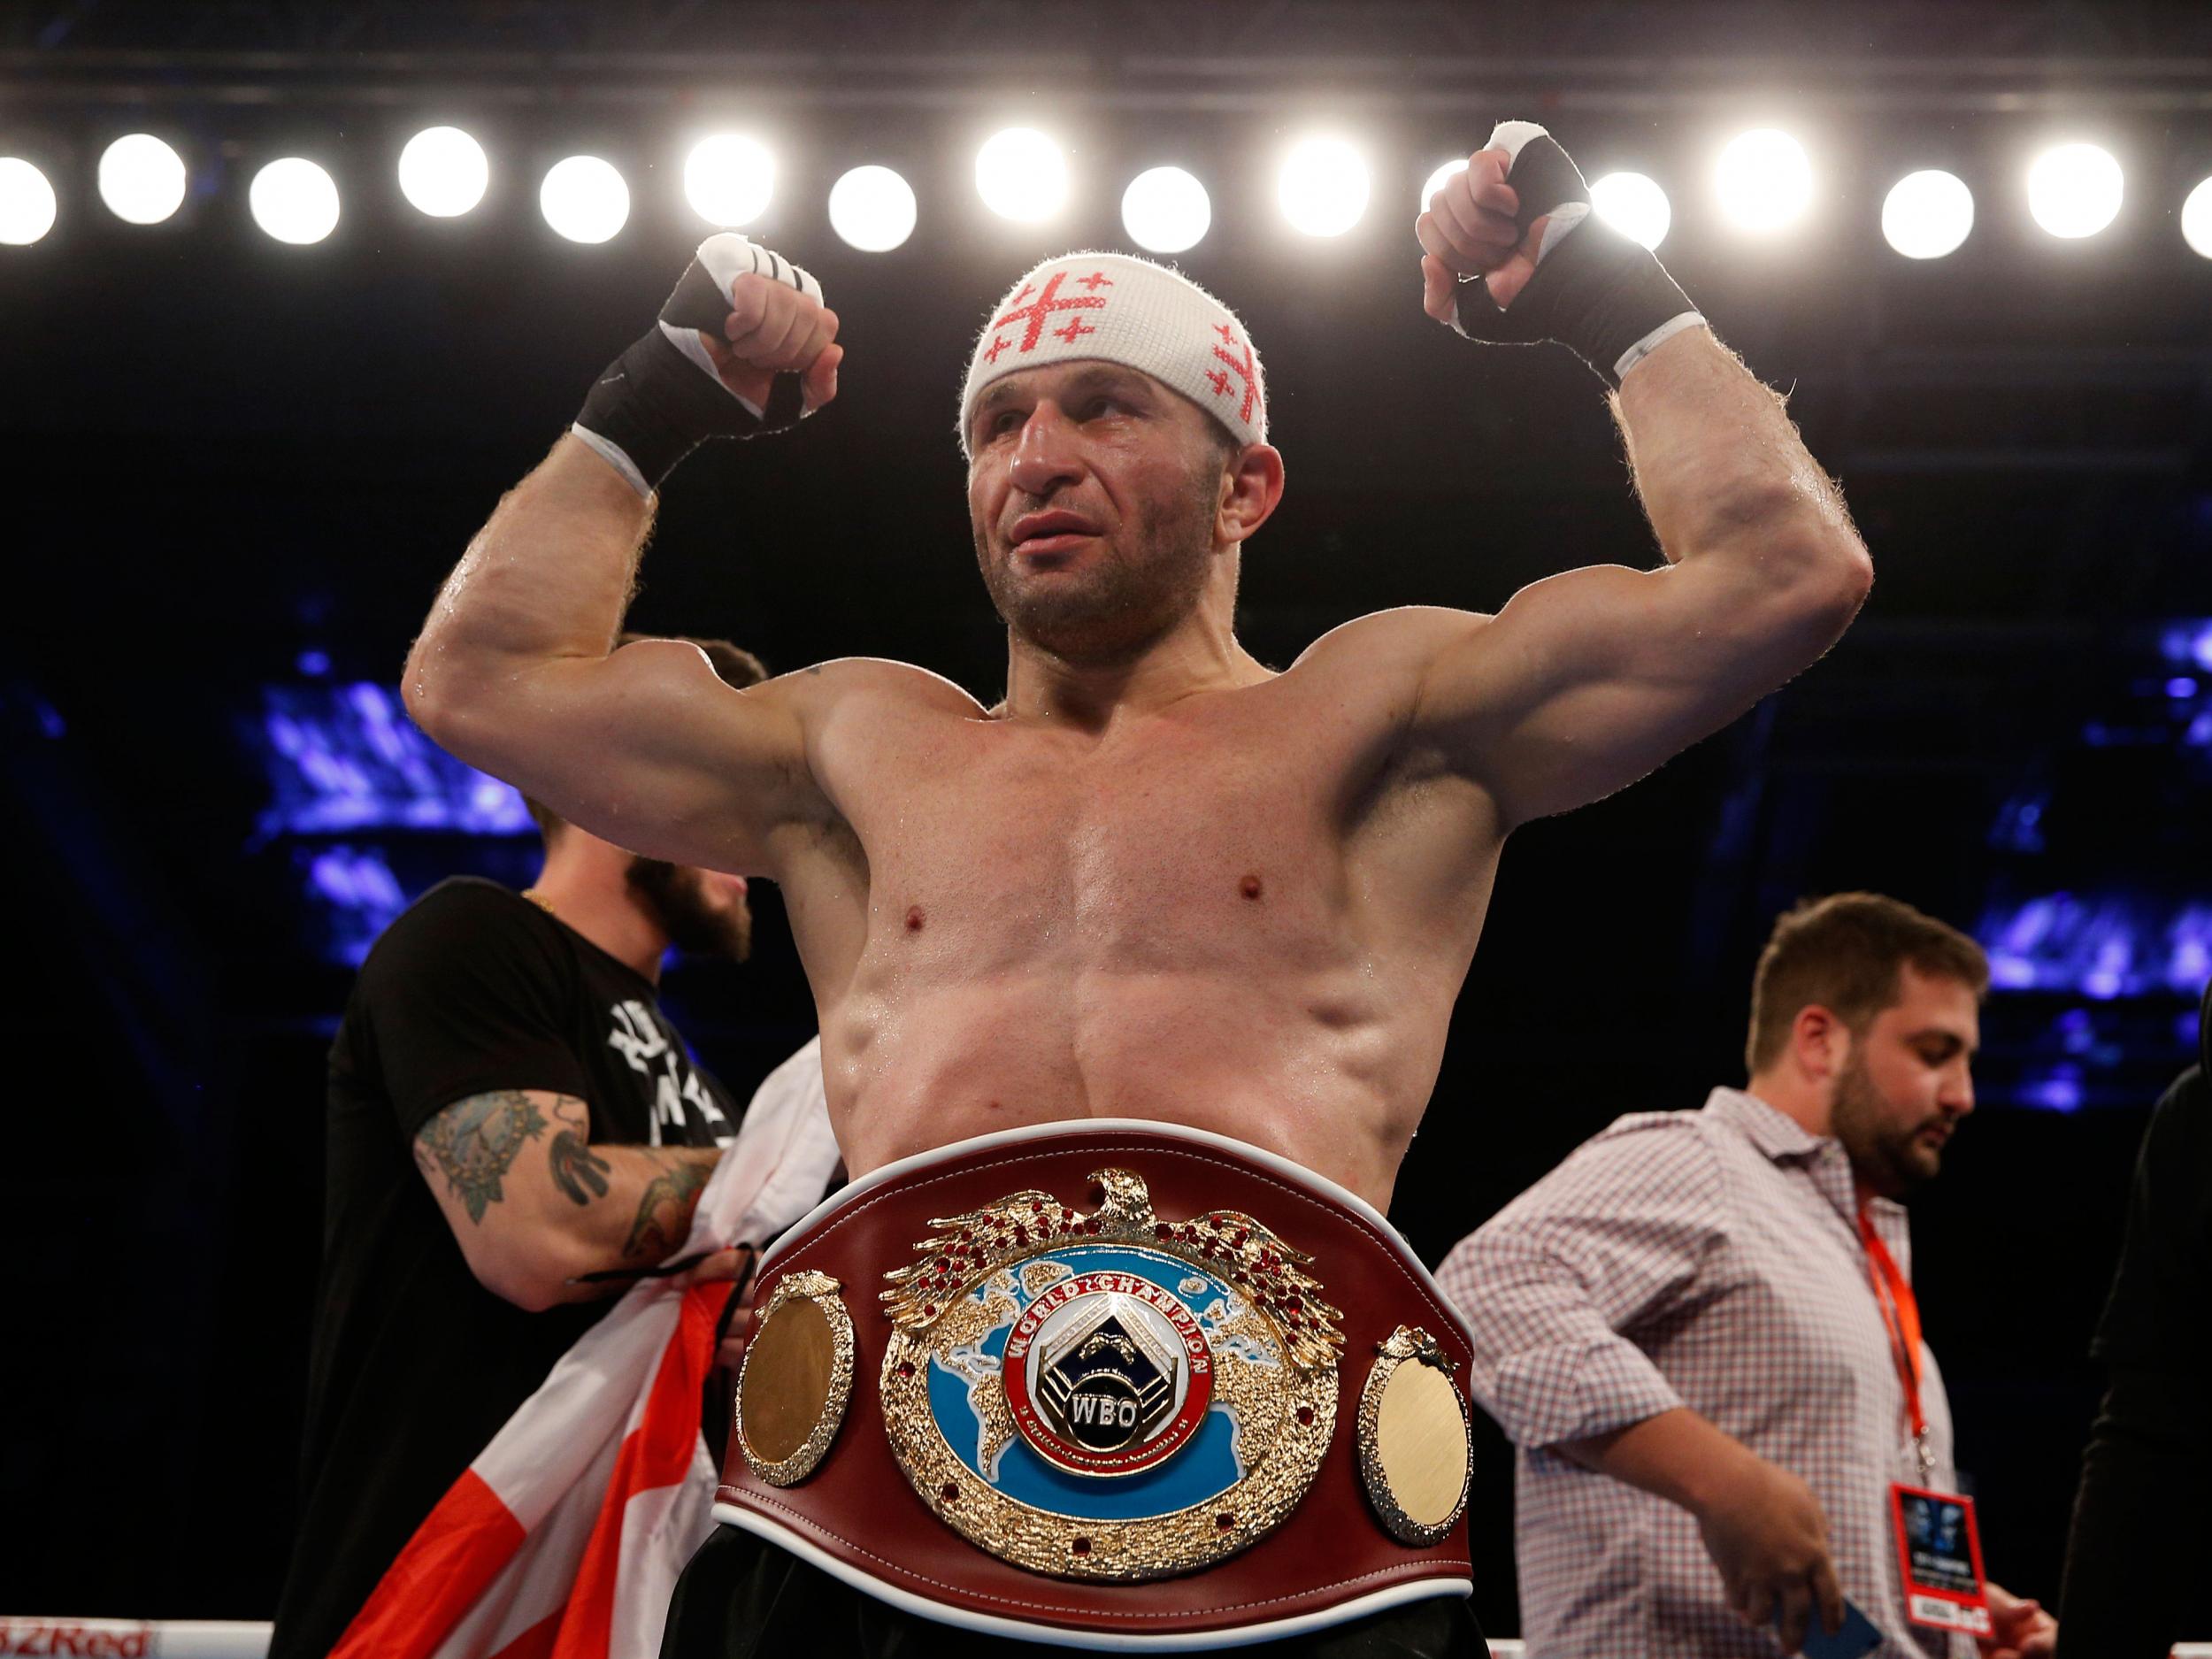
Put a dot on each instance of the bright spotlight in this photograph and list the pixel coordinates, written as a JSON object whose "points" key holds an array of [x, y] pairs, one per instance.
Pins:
{"points": [[1323, 187], [1438, 180], [728, 180], [872, 209], [584, 199], [1765, 181], [26, 202], [1165, 209], [1022, 176], [1927, 214], [294, 200], [141, 180], [2196, 218], [2074, 190], [443, 172], [1634, 205]]}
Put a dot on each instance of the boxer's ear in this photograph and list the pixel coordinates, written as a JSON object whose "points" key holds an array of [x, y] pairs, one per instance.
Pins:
{"points": [[1252, 487]]}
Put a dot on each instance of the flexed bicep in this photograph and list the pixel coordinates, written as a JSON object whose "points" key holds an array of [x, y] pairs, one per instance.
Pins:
{"points": [[650, 749], [513, 671], [1586, 681]]}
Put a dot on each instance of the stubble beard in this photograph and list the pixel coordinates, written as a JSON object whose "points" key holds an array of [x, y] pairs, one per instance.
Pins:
{"points": [[1890, 1161], [1144, 586], [676, 894]]}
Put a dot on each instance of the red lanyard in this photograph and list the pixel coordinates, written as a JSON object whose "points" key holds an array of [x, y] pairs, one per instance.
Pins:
{"points": [[1901, 1317]]}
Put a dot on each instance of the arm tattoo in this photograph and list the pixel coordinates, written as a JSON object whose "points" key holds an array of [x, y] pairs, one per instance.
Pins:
{"points": [[575, 1167], [475, 1141], [678, 1186]]}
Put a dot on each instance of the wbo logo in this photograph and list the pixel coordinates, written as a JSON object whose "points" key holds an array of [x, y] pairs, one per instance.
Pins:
{"points": [[1108, 1373], [1109, 1395]]}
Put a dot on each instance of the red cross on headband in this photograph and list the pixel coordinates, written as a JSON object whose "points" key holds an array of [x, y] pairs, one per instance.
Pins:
{"points": [[1033, 316], [1242, 367], [1118, 309]]}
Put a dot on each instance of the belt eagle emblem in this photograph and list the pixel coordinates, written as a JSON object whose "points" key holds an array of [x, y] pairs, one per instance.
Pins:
{"points": [[1108, 1394]]}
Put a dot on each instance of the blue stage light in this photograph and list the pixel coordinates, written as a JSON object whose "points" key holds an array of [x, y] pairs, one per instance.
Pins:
{"points": [[341, 760], [2113, 946], [359, 893], [2019, 826], [2058, 1089], [2188, 642]]}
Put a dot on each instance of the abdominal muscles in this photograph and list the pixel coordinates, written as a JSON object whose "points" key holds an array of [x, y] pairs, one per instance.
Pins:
{"points": [[1309, 1065]]}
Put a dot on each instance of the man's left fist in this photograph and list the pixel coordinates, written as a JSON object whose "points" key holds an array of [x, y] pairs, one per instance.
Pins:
{"points": [[1469, 229], [1518, 219]]}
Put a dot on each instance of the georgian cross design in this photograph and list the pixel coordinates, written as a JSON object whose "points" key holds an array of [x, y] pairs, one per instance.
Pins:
{"points": [[1244, 370], [1040, 311]]}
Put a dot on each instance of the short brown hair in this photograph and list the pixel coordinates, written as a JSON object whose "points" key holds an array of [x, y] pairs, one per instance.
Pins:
{"points": [[736, 666], [1845, 954]]}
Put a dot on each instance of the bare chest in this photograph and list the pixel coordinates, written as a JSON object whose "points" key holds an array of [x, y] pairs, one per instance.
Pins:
{"points": [[1176, 844]]}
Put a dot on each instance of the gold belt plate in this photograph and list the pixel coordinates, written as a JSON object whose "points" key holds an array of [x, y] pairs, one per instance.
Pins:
{"points": [[1106, 1394]]}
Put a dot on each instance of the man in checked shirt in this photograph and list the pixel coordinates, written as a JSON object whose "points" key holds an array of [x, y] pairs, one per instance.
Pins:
{"points": [[1677, 1327]]}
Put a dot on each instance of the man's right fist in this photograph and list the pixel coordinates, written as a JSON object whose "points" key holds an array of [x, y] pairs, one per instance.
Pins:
{"points": [[743, 346], [744, 313], [773, 329]]}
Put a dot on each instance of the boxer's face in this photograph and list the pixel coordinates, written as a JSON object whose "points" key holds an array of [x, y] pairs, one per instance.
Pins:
{"points": [[1907, 1082], [1093, 497], [703, 911]]}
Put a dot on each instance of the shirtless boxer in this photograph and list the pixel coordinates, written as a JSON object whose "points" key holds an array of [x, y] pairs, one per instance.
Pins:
{"points": [[1159, 881]]}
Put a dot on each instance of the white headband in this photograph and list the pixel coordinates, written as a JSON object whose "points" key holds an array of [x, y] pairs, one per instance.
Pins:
{"points": [[1112, 307]]}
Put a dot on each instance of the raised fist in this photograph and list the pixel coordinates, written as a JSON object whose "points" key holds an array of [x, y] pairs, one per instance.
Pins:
{"points": [[1468, 230], [747, 314], [774, 328]]}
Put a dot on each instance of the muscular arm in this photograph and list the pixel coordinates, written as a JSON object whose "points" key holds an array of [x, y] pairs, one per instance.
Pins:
{"points": [[533, 1204], [645, 747], [1586, 681]]}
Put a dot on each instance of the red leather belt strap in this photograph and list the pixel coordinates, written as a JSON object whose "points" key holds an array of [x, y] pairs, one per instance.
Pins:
{"points": [[857, 1516]]}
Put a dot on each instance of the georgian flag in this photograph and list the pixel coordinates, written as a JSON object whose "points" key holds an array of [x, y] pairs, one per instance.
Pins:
{"points": [[563, 1538]]}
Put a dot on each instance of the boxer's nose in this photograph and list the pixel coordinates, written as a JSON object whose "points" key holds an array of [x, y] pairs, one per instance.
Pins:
{"points": [[1045, 455]]}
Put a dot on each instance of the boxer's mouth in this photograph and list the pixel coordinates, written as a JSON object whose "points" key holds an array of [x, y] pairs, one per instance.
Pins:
{"points": [[1055, 532]]}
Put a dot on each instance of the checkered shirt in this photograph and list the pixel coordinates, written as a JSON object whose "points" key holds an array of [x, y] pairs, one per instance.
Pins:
{"points": [[1708, 1259]]}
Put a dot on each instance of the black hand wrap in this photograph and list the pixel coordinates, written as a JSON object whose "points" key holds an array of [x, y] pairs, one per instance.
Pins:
{"points": [[656, 402], [1601, 295]]}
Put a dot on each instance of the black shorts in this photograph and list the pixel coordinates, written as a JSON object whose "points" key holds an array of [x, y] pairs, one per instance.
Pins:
{"points": [[743, 1598]]}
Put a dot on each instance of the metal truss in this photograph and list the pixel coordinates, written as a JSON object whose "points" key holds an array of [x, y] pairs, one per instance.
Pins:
{"points": [[1968, 56]]}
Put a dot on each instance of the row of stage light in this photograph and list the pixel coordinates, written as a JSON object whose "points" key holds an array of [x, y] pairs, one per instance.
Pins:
{"points": [[1764, 184]]}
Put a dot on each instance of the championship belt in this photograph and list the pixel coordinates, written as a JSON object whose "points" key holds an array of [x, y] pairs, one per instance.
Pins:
{"points": [[1106, 1384]]}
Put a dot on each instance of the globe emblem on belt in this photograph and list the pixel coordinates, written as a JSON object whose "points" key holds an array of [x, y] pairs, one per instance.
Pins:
{"points": [[1108, 1373]]}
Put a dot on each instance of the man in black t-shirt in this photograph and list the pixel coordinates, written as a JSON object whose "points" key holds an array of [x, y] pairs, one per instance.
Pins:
{"points": [[508, 1110], [2135, 1582]]}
